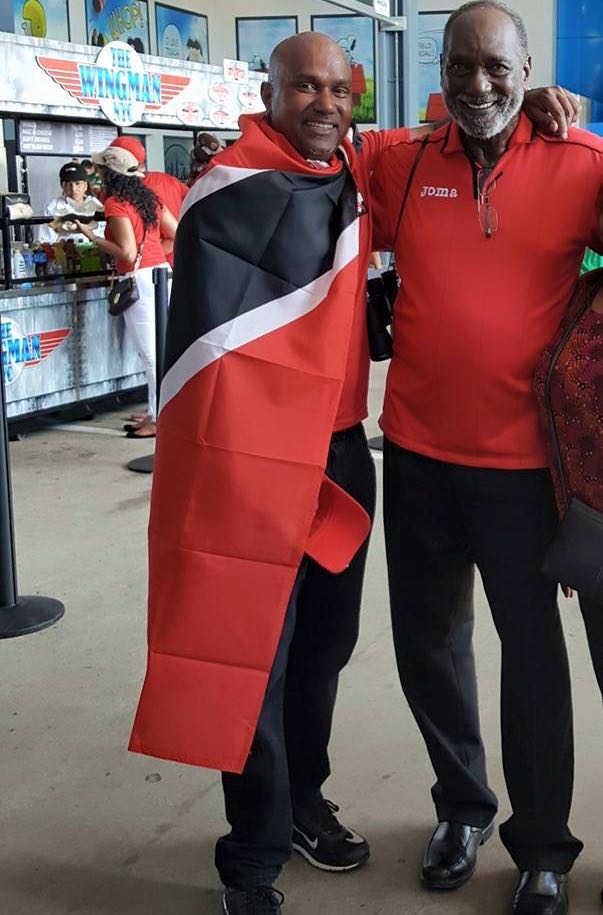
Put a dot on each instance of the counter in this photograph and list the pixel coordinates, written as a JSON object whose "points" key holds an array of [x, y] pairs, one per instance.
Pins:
{"points": [[60, 346]]}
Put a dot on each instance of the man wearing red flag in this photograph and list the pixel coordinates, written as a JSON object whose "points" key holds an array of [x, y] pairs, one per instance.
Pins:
{"points": [[256, 555]]}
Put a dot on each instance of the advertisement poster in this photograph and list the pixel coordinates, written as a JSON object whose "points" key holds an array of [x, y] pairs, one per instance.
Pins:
{"points": [[256, 38], [42, 19], [431, 33], [118, 20], [181, 35], [356, 36]]}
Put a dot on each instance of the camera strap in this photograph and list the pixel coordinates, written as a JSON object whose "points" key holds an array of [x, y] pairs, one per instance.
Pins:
{"points": [[411, 177]]}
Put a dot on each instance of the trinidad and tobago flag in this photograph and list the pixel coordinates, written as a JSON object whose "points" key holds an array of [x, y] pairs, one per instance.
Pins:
{"points": [[265, 280]]}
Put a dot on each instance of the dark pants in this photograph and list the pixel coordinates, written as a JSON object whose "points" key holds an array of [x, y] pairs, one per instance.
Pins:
{"points": [[289, 757], [442, 520], [592, 614]]}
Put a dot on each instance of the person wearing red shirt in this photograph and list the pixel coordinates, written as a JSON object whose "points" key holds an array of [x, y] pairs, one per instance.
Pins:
{"points": [[488, 247], [136, 221], [170, 191]]}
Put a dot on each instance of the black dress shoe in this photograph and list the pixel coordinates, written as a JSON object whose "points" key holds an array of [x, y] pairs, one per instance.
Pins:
{"points": [[541, 893], [451, 855]]}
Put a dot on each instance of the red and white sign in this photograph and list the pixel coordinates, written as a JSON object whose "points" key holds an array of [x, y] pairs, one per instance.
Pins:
{"points": [[191, 114], [21, 351], [250, 98], [236, 71], [222, 93], [221, 117], [117, 82], [77, 82]]}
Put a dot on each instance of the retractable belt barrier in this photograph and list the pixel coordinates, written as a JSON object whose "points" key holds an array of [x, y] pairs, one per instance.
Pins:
{"points": [[161, 277], [18, 615]]}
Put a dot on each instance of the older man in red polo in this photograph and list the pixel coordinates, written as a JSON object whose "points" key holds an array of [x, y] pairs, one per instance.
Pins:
{"points": [[489, 246]]}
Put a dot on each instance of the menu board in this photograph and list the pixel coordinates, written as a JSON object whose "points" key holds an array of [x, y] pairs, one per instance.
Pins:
{"points": [[54, 138]]}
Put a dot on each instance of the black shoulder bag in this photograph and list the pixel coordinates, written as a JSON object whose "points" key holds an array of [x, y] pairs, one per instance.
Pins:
{"points": [[575, 557], [124, 293], [382, 290]]}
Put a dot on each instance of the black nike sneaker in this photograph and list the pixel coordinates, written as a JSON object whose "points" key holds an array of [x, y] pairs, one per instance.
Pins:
{"points": [[323, 840], [256, 900]]}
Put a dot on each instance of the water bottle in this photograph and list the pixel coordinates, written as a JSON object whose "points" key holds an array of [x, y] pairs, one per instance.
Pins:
{"points": [[18, 263], [28, 258]]}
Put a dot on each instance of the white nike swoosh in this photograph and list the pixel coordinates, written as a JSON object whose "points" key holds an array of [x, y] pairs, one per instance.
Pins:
{"points": [[313, 843], [354, 838]]}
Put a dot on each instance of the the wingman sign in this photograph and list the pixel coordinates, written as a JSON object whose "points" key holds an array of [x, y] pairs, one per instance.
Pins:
{"points": [[117, 82], [65, 80]]}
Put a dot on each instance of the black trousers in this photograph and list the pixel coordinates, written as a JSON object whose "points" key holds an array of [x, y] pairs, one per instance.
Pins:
{"points": [[289, 756], [592, 614], [442, 520]]}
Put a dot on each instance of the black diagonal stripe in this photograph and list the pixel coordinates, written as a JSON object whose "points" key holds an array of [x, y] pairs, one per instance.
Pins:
{"points": [[255, 241]]}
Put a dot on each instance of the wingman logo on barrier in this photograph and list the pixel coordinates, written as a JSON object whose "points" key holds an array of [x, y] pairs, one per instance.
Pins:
{"points": [[117, 82], [20, 350]]}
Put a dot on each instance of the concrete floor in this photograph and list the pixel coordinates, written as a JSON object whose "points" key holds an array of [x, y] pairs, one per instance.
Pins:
{"points": [[87, 827]]}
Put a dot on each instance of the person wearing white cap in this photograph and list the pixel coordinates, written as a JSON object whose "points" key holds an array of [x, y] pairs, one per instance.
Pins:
{"points": [[135, 222]]}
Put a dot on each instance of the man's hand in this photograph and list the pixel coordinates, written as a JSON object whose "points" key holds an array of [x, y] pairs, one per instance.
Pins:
{"points": [[208, 143], [553, 110], [206, 146]]}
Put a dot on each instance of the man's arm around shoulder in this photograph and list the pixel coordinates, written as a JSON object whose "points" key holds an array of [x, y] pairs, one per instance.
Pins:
{"points": [[376, 142]]}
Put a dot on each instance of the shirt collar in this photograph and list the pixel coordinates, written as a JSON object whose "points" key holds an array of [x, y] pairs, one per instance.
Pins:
{"points": [[524, 133], [280, 140]]}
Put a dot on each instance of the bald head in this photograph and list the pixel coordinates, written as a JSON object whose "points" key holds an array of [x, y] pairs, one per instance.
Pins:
{"points": [[294, 53], [309, 93]]}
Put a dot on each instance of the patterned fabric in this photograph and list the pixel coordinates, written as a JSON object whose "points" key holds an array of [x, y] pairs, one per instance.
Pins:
{"points": [[577, 397]]}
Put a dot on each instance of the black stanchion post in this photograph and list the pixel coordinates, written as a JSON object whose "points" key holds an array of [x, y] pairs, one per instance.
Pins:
{"points": [[18, 615], [160, 280]]}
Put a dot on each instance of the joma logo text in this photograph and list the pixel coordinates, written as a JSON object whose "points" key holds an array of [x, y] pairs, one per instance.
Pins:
{"points": [[450, 192]]}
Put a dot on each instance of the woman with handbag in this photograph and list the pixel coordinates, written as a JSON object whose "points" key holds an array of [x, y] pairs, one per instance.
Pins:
{"points": [[569, 387], [136, 221]]}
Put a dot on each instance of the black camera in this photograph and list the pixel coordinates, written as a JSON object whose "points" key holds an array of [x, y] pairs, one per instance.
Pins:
{"points": [[381, 295]]}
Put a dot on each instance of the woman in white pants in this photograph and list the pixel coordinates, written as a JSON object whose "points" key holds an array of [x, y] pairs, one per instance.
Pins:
{"points": [[136, 221]]}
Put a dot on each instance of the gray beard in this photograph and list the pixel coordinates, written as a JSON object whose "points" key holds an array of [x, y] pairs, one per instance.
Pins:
{"points": [[487, 125]]}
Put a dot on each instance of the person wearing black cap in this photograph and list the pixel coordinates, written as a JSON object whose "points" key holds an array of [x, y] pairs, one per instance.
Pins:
{"points": [[74, 199]]}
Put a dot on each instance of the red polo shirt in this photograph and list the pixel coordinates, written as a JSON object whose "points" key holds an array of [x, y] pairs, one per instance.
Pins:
{"points": [[474, 313]]}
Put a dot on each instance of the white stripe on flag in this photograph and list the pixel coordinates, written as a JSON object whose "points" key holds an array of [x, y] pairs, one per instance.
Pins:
{"points": [[216, 179], [259, 321]]}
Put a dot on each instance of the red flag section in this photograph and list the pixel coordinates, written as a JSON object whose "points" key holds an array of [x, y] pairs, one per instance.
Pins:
{"points": [[248, 408]]}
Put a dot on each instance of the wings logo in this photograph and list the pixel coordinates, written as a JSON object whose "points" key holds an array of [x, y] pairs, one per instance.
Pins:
{"points": [[21, 351], [117, 82]]}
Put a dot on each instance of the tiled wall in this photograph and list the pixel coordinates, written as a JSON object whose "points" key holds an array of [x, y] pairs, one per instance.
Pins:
{"points": [[580, 52]]}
